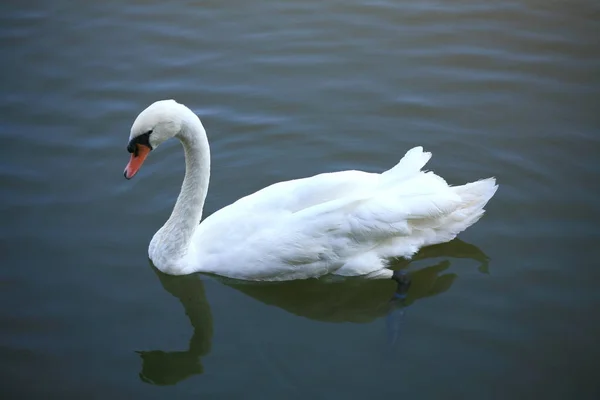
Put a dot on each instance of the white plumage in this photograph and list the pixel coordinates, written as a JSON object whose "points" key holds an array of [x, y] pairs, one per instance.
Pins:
{"points": [[346, 223]]}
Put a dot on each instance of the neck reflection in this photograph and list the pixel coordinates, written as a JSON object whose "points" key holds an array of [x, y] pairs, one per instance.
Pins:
{"points": [[170, 367]]}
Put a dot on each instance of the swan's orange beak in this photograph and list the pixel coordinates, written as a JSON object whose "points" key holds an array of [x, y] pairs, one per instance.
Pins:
{"points": [[136, 160]]}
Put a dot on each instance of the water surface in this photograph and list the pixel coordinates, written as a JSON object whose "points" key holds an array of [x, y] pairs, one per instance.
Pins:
{"points": [[286, 90]]}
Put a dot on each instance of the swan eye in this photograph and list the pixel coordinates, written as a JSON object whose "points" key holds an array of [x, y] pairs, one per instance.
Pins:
{"points": [[142, 139]]}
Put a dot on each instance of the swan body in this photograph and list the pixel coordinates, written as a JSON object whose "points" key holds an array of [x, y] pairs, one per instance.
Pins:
{"points": [[346, 223]]}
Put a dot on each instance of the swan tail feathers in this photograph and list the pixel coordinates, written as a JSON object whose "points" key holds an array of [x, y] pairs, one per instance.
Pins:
{"points": [[463, 207], [474, 196]]}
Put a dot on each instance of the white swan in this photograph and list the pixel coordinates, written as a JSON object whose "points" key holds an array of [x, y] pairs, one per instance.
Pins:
{"points": [[344, 223]]}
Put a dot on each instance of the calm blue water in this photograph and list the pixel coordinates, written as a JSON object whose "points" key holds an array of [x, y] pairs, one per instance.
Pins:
{"points": [[286, 90]]}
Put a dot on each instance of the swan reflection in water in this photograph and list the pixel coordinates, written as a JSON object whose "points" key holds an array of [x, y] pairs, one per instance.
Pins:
{"points": [[169, 367], [351, 300]]}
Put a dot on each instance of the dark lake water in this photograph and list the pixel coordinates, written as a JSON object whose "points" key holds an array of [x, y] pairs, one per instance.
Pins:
{"points": [[288, 89]]}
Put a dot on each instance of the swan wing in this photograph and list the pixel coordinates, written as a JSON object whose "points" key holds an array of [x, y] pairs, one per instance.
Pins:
{"points": [[346, 223]]}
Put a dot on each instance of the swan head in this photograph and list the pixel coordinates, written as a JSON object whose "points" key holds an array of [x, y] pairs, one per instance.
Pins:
{"points": [[159, 122]]}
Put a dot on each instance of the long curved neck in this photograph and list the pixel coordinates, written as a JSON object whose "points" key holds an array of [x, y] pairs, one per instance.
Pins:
{"points": [[187, 213]]}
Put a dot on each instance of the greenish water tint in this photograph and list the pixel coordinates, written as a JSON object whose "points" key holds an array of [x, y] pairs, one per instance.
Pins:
{"points": [[286, 90]]}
